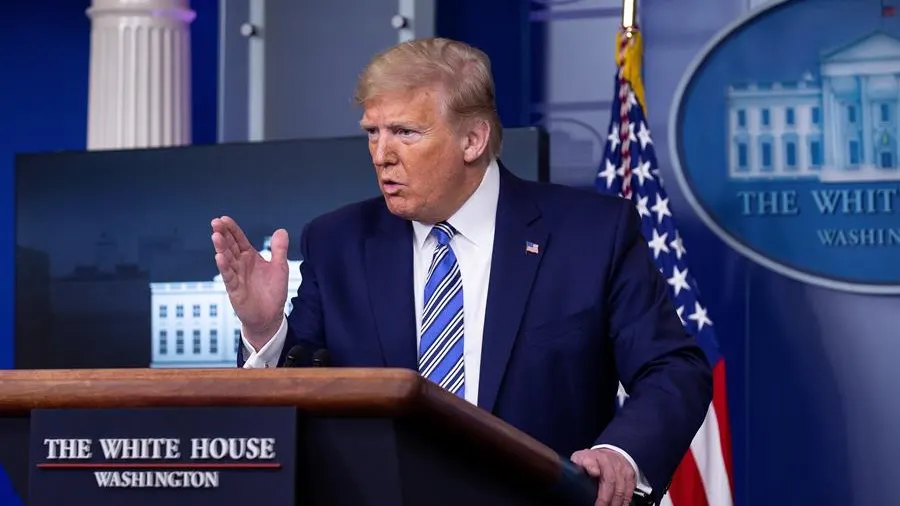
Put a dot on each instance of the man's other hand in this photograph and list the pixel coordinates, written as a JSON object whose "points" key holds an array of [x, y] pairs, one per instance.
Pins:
{"points": [[616, 476]]}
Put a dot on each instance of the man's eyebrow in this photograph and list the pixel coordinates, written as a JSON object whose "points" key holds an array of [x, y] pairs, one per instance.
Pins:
{"points": [[405, 125], [397, 125]]}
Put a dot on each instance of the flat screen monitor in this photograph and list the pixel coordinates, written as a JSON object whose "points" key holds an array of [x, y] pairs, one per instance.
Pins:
{"points": [[114, 263]]}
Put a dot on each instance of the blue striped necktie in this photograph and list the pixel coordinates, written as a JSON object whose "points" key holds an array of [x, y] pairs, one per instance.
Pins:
{"points": [[441, 343]]}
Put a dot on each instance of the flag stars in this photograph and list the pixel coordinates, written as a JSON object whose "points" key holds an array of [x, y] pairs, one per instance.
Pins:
{"points": [[642, 171], [678, 281], [641, 206], [609, 173], [632, 100], [678, 246], [630, 164], [661, 208], [622, 394], [644, 135], [699, 316], [630, 135], [658, 244], [613, 137]]}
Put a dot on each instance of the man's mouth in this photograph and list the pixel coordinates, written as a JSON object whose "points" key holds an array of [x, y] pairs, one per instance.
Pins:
{"points": [[390, 186]]}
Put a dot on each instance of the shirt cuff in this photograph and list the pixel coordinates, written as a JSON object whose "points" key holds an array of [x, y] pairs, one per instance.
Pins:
{"points": [[642, 484], [268, 355]]}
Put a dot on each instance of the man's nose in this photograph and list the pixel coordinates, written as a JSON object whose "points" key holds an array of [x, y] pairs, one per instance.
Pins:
{"points": [[383, 154]]}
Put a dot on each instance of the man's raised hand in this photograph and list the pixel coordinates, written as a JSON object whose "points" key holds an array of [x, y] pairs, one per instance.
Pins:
{"points": [[256, 287]]}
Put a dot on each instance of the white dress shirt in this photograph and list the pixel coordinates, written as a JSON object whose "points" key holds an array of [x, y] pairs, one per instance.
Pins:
{"points": [[473, 246]]}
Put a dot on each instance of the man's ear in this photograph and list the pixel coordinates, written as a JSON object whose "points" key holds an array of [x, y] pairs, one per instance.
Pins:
{"points": [[477, 137]]}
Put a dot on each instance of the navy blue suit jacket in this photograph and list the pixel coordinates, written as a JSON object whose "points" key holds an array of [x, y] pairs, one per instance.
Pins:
{"points": [[562, 327]]}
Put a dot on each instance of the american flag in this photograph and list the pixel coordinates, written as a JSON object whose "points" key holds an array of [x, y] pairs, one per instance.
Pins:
{"points": [[629, 169]]}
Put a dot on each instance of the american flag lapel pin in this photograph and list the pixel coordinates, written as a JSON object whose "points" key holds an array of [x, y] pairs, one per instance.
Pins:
{"points": [[532, 247]]}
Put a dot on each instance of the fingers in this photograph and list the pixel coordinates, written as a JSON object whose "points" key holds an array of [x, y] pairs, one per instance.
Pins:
{"points": [[623, 490], [279, 246], [222, 244], [223, 239], [587, 461], [238, 234], [227, 252], [617, 482], [226, 269], [607, 488], [630, 483], [226, 260], [233, 237], [615, 474]]}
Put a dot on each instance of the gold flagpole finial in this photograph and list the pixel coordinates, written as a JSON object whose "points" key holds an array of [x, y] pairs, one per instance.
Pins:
{"points": [[629, 17]]}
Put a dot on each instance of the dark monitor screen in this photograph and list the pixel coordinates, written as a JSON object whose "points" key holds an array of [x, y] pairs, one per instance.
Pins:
{"points": [[114, 263]]}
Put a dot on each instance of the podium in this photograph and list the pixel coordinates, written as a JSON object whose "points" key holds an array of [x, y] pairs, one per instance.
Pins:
{"points": [[358, 437]]}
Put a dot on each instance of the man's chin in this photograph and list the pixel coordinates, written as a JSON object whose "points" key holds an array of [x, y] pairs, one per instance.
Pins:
{"points": [[398, 206]]}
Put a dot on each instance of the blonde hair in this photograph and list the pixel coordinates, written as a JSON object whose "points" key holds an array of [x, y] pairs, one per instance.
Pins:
{"points": [[461, 71]]}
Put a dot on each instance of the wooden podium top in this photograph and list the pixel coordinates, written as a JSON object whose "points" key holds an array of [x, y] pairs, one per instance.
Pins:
{"points": [[325, 391]]}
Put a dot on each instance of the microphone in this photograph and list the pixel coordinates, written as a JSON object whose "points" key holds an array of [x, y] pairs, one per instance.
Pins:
{"points": [[321, 358], [296, 357]]}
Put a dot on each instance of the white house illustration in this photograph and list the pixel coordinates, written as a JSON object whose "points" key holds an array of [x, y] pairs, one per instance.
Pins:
{"points": [[194, 325], [842, 127]]}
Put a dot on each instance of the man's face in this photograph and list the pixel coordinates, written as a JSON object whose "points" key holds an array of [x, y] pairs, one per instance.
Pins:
{"points": [[418, 157]]}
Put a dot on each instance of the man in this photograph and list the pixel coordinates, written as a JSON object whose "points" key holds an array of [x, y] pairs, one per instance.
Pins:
{"points": [[530, 300]]}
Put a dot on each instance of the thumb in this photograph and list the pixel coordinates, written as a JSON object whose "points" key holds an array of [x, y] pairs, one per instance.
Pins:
{"points": [[279, 246]]}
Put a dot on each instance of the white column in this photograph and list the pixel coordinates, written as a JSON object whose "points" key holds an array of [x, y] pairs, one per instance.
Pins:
{"points": [[864, 117], [140, 74]]}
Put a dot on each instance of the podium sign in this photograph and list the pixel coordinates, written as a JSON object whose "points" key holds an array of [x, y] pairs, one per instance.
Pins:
{"points": [[170, 456]]}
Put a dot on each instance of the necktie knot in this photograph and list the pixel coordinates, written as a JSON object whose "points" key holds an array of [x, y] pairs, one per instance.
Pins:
{"points": [[443, 232]]}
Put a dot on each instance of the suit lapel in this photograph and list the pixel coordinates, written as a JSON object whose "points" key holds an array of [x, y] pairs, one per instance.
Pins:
{"points": [[519, 231], [389, 280]]}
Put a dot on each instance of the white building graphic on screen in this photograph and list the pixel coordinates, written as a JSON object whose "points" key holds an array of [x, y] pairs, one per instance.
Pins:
{"points": [[841, 127], [194, 325]]}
